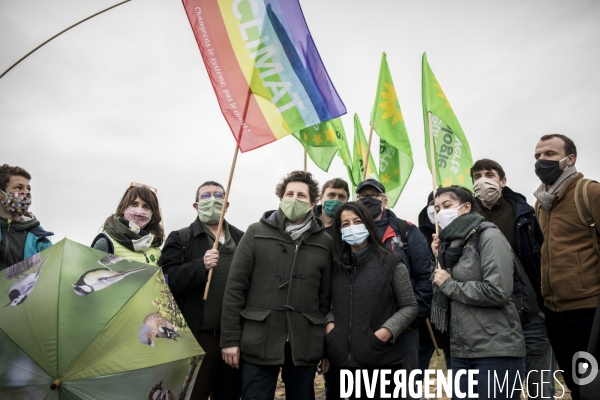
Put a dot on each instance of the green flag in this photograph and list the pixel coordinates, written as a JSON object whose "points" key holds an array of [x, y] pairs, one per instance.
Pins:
{"points": [[320, 143], [342, 142], [452, 154], [360, 148], [395, 153]]}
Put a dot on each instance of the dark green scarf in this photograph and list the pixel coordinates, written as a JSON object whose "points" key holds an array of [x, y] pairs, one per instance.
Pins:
{"points": [[118, 229], [452, 239]]}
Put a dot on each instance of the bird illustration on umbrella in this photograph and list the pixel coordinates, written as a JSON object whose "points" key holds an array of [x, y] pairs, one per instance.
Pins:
{"points": [[24, 286], [100, 278], [156, 326]]}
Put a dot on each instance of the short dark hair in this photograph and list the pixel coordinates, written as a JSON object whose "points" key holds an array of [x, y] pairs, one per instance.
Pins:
{"points": [[336, 183], [6, 171], [339, 247], [459, 193], [486, 163], [208, 183], [569, 145], [299, 176]]}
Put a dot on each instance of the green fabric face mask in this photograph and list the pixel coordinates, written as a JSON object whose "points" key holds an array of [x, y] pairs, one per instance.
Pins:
{"points": [[329, 206], [294, 209], [209, 211]]}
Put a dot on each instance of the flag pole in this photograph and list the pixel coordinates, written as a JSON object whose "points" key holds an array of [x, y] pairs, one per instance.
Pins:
{"points": [[222, 217], [60, 33], [366, 157], [437, 226], [305, 160]]}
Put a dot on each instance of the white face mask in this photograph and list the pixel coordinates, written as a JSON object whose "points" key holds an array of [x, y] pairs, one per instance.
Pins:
{"points": [[431, 213], [447, 215]]}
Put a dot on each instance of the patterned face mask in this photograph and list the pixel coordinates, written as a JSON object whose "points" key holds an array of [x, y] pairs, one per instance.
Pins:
{"points": [[17, 202]]}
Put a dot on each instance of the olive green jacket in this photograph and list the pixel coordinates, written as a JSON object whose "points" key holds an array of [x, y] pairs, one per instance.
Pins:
{"points": [[484, 321], [278, 291]]}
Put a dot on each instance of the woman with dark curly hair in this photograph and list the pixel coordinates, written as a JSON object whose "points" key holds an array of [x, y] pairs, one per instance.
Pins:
{"points": [[135, 230]]}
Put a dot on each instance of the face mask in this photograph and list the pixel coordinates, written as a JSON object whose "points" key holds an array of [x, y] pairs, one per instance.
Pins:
{"points": [[209, 211], [373, 205], [329, 206], [431, 213], [17, 202], [447, 215], [355, 235], [488, 191], [138, 215], [294, 209], [548, 170]]}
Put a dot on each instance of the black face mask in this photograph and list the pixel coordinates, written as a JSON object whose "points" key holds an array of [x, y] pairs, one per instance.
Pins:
{"points": [[548, 171], [373, 205]]}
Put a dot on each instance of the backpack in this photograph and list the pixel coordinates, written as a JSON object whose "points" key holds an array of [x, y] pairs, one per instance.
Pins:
{"points": [[111, 246], [184, 240], [402, 228], [523, 294]]}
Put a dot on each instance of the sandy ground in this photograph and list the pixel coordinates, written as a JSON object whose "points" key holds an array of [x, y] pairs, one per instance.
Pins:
{"points": [[436, 362]]}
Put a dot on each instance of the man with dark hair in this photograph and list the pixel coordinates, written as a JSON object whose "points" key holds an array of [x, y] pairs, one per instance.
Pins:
{"points": [[516, 220], [568, 210], [334, 193], [186, 258], [278, 294], [405, 238], [21, 235]]}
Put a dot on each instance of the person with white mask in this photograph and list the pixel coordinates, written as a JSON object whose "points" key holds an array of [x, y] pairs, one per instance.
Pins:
{"points": [[188, 256], [472, 295], [509, 211]]}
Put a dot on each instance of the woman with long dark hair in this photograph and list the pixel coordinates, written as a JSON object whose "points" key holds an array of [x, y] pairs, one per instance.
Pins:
{"points": [[472, 296], [135, 230], [371, 294]]}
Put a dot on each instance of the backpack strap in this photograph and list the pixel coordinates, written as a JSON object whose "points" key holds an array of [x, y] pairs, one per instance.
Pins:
{"points": [[110, 245], [583, 206], [402, 229], [184, 239]]}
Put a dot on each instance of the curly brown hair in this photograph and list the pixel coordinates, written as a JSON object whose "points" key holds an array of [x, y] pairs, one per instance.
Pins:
{"points": [[155, 225], [6, 171], [299, 176]]}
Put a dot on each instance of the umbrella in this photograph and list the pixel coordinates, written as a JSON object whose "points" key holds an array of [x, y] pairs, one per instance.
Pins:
{"points": [[78, 323]]}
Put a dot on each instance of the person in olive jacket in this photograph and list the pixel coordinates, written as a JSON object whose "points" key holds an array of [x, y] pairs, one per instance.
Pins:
{"points": [[278, 294]]}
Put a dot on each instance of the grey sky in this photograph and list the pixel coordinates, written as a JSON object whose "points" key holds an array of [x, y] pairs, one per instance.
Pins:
{"points": [[125, 97]]}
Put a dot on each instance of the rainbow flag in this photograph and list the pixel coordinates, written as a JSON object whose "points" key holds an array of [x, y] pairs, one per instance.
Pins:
{"points": [[264, 67]]}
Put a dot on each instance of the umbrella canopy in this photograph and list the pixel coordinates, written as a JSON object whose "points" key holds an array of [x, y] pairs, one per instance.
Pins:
{"points": [[78, 323]]}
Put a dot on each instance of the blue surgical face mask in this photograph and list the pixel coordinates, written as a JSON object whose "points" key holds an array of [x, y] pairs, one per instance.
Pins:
{"points": [[355, 235]]}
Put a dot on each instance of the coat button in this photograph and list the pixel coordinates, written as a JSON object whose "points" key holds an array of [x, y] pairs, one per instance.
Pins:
{"points": [[227, 336]]}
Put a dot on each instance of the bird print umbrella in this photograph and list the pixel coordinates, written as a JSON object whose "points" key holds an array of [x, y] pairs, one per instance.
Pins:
{"points": [[81, 324]]}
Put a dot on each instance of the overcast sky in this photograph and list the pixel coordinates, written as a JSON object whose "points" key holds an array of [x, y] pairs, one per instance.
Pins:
{"points": [[125, 97]]}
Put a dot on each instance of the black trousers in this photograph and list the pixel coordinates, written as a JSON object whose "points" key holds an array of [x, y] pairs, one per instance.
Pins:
{"points": [[215, 378], [569, 332], [259, 381]]}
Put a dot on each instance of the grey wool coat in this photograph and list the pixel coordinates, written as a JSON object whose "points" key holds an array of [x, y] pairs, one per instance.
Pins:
{"points": [[278, 291]]}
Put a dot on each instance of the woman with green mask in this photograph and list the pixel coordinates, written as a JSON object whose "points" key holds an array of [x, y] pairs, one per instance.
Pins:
{"points": [[277, 295]]}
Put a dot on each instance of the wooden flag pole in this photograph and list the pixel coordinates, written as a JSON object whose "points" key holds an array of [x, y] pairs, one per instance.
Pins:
{"points": [[366, 157], [60, 33], [222, 217], [305, 160], [437, 227]]}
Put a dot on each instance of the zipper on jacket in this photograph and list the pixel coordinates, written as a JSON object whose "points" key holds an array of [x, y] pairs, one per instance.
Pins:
{"points": [[350, 326], [287, 338]]}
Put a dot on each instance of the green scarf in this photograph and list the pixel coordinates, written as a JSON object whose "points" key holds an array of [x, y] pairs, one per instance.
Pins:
{"points": [[452, 239], [119, 229]]}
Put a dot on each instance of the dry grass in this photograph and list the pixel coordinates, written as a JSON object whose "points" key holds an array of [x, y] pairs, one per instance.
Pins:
{"points": [[437, 362]]}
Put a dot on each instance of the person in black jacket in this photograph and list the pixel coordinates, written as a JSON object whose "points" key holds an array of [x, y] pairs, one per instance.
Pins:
{"points": [[516, 220], [404, 238], [371, 296], [186, 258]]}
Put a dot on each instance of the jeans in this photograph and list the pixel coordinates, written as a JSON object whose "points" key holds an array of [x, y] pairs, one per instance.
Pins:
{"points": [[492, 388], [410, 340], [569, 332], [259, 381], [539, 358]]}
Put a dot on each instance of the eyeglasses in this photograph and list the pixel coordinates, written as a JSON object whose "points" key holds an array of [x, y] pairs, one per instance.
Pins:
{"points": [[364, 196], [216, 195], [140, 185]]}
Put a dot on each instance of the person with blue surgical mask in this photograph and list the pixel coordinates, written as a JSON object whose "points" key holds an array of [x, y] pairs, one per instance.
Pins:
{"points": [[371, 296]]}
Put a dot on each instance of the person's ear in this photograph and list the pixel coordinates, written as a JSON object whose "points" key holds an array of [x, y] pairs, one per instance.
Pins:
{"points": [[502, 182], [312, 205], [467, 207], [571, 160], [195, 205], [226, 206]]}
